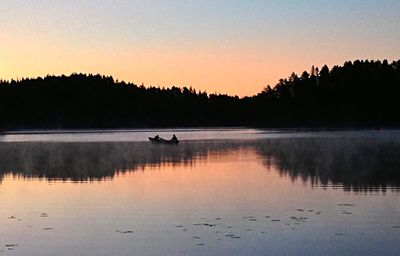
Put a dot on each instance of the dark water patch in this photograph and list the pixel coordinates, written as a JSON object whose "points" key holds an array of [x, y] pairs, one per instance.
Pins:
{"points": [[250, 218], [232, 236], [346, 213], [350, 205], [127, 232], [124, 231], [299, 219], [11, 245]]}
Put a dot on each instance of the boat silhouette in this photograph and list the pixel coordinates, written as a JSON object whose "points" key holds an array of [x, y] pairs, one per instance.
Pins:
{"points": [[159, 140]]}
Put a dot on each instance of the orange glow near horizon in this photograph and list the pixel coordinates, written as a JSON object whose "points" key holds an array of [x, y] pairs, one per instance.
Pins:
{"points": [[231, 70], [205, 69], [218, 47], [242, 70]]}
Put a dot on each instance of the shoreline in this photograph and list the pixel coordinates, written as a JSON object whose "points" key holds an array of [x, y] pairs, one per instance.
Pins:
{"points": [[193, 129]]}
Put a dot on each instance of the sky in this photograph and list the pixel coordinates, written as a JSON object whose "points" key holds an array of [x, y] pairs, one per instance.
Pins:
{"points": [[224, 46]]}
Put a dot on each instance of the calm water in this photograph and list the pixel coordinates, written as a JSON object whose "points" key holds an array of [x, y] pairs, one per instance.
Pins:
{"points": [[220, 192]]}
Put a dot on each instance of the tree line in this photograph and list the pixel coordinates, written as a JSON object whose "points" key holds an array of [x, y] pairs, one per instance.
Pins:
{"points": [[359, 93]]}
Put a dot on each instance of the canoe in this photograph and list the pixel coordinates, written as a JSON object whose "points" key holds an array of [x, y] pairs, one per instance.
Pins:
{"points": [[163, 141]]}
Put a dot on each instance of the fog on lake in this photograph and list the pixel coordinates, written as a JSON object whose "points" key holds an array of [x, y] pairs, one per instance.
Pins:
{"points": [[246, 194]]}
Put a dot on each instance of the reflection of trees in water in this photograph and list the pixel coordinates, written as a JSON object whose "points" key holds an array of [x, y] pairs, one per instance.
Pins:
{"points": [[354, 164], [94, 161], [357, 165]]}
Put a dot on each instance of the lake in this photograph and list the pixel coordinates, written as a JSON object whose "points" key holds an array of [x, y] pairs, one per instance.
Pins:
{"points": [[219, 192]]}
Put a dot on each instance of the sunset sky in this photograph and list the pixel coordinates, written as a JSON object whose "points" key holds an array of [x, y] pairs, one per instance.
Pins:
{"points": [[226, 46]]}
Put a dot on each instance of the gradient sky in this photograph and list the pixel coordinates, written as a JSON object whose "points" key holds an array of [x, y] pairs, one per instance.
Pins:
{"points": [[226, 46]]}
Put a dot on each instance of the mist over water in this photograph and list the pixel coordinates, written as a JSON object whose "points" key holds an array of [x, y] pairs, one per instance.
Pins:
{"points": [[247, 193]]}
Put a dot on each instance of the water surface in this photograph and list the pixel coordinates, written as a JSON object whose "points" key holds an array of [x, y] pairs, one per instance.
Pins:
{"points": [[220, 192]]}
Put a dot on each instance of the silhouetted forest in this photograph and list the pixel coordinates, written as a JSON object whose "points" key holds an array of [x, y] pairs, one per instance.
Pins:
{"points": [[359, 93]]}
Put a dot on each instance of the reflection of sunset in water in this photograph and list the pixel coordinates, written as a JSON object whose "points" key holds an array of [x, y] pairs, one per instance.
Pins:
{"points": [[226, 197]]}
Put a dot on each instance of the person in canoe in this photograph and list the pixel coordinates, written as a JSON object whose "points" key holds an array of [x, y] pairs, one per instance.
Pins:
{"points": [[174, 139], [157, 139]]}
